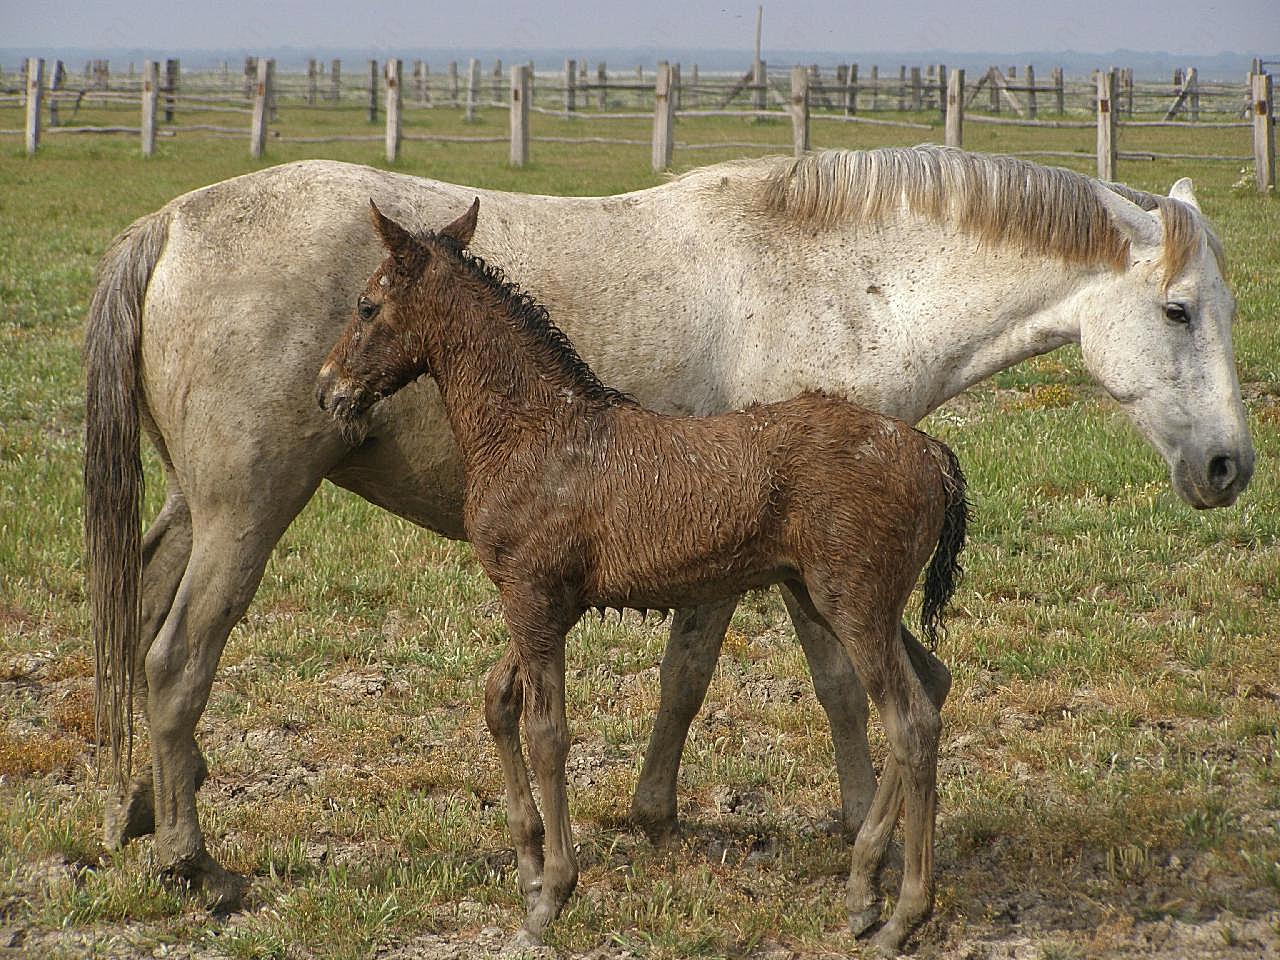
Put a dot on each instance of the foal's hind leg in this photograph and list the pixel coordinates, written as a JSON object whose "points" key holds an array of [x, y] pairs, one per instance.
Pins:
{"points": [[932, 680], [503, 703], [687, 666], [166, 549], [845, 703], [865, 902]]}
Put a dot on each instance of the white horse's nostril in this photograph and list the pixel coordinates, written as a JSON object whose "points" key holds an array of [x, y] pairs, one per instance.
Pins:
{"points": [[1222, 472]]}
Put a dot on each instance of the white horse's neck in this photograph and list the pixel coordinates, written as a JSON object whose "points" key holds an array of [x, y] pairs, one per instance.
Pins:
{"points": [[923, 322]]}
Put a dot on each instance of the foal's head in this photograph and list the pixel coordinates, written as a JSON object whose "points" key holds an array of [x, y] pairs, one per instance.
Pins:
{"points": [[384, 346]]}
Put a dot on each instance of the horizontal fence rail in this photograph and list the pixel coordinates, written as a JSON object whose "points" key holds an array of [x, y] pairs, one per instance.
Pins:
{"points": [[248, 101]]}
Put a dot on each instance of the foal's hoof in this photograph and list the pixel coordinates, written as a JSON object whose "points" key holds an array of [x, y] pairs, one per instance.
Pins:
{"points": [[129, 814], [219, 888], [522, 940], [860, 921], [662, 830]]}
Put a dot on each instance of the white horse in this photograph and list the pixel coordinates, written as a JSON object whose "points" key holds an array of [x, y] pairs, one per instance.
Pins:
{"points": [[894, 277]]}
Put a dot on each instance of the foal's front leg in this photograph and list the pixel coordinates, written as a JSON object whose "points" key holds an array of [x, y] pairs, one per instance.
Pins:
{"points": [[547, 730], [503, 702]]}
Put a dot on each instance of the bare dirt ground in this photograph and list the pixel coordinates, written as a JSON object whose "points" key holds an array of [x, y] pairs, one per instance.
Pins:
{"points": [[993, 919]]}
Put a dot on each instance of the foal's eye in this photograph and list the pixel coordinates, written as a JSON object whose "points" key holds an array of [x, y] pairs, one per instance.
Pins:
{"points": [[366, 308], [1176, 313]]}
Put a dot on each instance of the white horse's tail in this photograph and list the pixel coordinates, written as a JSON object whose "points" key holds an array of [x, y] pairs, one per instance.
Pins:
{"points": [[113, 481]]}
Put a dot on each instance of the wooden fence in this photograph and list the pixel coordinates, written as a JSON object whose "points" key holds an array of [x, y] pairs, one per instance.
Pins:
{"points": [[917, 97]]}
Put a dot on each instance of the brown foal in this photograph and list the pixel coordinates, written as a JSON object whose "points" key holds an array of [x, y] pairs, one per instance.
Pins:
{"points": [[576, 497]]}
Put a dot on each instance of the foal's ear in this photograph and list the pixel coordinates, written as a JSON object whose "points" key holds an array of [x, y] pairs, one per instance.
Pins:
{"points": [[395, 238], [462, 228]]}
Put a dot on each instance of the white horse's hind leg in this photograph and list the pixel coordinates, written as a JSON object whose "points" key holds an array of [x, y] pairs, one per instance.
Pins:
{"points": [[166, 549], [687, 665], [230, 547]]}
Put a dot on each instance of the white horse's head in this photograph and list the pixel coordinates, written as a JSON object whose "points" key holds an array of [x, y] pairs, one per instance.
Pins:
{"points": [[1157, 336]]}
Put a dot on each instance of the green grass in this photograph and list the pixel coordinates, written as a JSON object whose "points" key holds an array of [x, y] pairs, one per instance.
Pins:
{"points": [[1110, 741]]}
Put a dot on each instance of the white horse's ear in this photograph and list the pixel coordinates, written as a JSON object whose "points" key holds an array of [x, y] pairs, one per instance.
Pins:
{"points": [[1142, 228], [1185, 191]]}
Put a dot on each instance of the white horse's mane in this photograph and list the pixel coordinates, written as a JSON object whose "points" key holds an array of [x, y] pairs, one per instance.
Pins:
{"points": [[1004, 200]]}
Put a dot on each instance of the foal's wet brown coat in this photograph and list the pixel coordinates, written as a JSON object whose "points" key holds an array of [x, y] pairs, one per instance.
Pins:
{"points": [[576, 497]]}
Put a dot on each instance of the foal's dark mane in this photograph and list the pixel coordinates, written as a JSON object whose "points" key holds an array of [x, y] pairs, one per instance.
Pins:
{"points": [[532, 320]]}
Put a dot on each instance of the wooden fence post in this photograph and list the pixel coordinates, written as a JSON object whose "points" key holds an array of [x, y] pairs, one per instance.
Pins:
{"points": [[498, 77], [799, 110], [902, 87], [313, 80], [944, 80], [1126, 77], [373, 91], [955, 109], [56, 79], [663, 118], [172, 71], [261, 99], [570, 81], [851, 95], [519, 115], [1031, 91], [250, 77], [1106, 125], [759, 85], [35, 97], [993, 88], [453, 82], [677, 95], [1193, 85], [875, 88], [473, 89], [916, 101], [602, 81], [695, 95], [1264, 132], [395, 70], [1059, 91], [150, 83], [335, 80]]}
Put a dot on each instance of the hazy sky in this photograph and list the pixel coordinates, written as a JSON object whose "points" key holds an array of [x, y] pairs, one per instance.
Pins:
{"points": [[1176, 26]]}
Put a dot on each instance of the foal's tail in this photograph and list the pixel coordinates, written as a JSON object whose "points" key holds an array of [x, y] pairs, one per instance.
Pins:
{"points": [[113, 476], [943, 575]]}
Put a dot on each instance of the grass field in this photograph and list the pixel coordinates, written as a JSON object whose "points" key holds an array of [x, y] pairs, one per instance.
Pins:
{"points": [[1110, 773]]}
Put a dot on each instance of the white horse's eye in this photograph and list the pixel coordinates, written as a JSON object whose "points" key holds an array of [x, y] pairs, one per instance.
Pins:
{"points": [[1176, 313]]}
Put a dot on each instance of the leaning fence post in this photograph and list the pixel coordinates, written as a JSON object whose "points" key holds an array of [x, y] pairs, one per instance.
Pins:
{"points": [[955, 108], [519, 115], [1106, 125], [35, 96], [150, 96], [394, 70], [1264, 132], [663, 117], [261, 99], [800, 110]]}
